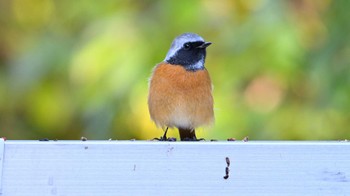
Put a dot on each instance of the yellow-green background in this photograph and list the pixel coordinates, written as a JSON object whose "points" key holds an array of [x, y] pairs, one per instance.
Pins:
{"points": [[72, 68]]}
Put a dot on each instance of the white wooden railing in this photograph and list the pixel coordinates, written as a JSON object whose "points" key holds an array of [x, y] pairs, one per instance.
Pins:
{"points": [[97, 168]]}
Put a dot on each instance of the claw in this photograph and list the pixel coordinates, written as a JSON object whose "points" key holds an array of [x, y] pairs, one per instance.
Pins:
{"points": [[164, 138]]}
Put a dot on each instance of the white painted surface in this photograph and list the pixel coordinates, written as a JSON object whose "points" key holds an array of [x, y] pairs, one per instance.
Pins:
{"points": [[2, 143], [73, 168]]}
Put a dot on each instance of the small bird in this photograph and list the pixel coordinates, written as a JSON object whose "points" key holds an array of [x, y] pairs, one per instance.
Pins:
{"points": [[180, 89]]}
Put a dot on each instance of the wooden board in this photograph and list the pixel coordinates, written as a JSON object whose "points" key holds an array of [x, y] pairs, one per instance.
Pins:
{"points": [[175, 168], [2, 144]]}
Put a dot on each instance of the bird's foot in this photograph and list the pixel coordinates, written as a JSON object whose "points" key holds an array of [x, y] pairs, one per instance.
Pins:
{"points": [[192, 139], [165, 139]]}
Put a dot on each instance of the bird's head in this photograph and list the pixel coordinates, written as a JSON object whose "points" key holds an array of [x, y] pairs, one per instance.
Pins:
{"points": [[188, 50]]}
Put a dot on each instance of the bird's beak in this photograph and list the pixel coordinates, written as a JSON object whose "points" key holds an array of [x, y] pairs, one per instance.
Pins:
{"points": [[204, 45]]}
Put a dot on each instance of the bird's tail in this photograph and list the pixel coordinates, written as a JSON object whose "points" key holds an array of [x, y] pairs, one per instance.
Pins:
{"points": [[187, 134]]}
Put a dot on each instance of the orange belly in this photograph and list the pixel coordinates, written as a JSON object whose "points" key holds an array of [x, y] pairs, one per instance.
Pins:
{"points": [[180, 98]]}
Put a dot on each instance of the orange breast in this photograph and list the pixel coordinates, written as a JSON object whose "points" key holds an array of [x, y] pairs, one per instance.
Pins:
{"points": [[180, 98]]}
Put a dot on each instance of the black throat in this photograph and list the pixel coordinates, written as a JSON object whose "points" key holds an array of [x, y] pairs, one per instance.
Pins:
{"points": [[191, 60]]}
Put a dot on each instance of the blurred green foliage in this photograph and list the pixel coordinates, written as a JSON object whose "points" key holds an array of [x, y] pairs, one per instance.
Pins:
{"points": [[280, 69]]}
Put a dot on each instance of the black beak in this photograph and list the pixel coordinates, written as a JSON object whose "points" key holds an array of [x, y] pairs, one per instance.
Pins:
{"points": [[204, 45]]}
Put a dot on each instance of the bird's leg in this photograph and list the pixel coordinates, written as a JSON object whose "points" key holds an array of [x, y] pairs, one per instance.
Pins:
{"points": [[189, 135], [164, 136]]}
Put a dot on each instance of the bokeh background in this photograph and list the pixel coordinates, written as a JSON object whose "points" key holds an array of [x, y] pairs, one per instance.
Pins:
{"points": [[280, 69]]}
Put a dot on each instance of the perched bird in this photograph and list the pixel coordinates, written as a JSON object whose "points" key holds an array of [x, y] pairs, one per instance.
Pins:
{"points": [[180, 89]]}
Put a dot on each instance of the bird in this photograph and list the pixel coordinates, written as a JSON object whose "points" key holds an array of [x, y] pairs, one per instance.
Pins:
{"points": [[180, 88]]}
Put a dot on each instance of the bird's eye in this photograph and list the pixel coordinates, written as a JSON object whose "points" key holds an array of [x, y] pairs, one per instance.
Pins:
{"points": [[187, 46]]}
